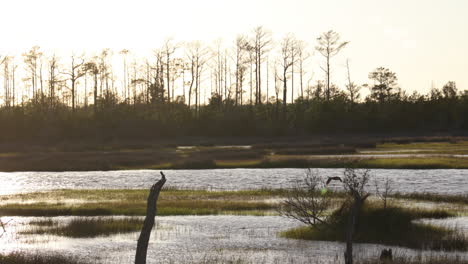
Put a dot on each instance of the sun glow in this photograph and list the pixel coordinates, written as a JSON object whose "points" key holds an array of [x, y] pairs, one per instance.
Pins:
{"points": [[421, 41]]}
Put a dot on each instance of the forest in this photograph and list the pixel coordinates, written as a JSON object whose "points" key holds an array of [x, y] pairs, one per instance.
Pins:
{"points": [[257, 86]]}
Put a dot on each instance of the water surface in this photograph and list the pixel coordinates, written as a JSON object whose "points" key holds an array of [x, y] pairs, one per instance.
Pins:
{"points": [[201, 239], [444, 181]]}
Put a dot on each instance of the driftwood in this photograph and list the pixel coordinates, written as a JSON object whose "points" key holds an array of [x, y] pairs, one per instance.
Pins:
{"points": [[151, 210]]}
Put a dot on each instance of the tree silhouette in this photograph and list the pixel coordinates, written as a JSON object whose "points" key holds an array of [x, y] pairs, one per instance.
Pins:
{"points": [[329, 45], [385, 83]]}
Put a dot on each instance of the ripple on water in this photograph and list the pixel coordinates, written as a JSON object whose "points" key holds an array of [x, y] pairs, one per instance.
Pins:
{"points": [[198, 239], [445, 181]]}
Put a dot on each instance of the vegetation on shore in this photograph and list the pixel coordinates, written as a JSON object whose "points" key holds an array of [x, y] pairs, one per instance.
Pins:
{"points": [[27, 258], [86, 163], [205, 155], [86, 227], [415, 163], [133, 202], [172, 202], [420, 260], [390, 226], [180, 207], [373, 227]]}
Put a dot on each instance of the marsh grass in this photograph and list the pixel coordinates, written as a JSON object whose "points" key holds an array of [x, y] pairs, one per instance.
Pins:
{"points": [[326, 150], [448, 143], [172, 202], [27, 258], [89, 227], [391, 226], [416, 260], [433, 197], [304, 161], [84, 156], [293, 158], [415, 163], [165, 207], [138, 195], [238, 163], [43, 222]]}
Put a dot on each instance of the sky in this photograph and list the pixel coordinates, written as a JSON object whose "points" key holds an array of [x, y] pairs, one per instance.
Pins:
{"points": [[424, 41]]}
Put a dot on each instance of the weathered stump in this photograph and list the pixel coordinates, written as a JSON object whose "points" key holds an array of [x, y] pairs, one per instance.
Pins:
{"points": [[151, 210], [386, 254]]}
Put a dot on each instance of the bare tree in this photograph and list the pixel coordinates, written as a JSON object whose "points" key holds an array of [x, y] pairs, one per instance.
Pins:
{"points": [[294, 59], [251, 64], [218, 69], [75, 72], [124, 54], [385, 191], [105, 71], [151, 210], [31, 59], [351, 87], [198, 56], [13, 81], [306, 202], [54, 79], [303, 55], [157, 85], [6, 61], [260, 44], [192, 67], [134, 81], [93, 68], [177, 66], [329, 45], [240, 61], [288, 54], [168, 50], [277, 87]]}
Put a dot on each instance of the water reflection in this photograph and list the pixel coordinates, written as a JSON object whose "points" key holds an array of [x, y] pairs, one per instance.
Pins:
{"points": [[446, 181], [200, 239]]}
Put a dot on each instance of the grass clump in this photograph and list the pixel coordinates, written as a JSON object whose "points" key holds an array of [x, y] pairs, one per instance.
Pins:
{"points": [[415, 163], [433, 197], [391, 226], [25, 258], [418, 260], [89, 227], [135, 208], [139, 195], [45, 222], [413, 144], [172, 202]]}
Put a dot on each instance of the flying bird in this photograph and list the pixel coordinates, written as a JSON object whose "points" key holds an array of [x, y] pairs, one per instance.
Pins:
{"points": [[333, 179]]}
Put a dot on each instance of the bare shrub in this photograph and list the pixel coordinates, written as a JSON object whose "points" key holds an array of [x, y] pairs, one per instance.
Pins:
{"points": [[308, 200]]}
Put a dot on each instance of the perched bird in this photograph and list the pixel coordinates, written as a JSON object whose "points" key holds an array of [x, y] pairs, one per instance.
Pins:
{"points": [[333, 179]]}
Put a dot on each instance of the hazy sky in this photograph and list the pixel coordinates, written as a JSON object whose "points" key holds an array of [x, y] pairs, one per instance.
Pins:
{"points": [[421, 40]]}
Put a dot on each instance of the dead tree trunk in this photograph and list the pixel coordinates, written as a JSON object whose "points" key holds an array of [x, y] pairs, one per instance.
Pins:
{"points": [[353, 215], [142, 246]]}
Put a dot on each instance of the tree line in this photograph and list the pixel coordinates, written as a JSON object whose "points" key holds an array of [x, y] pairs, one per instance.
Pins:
{"points": [[257, 87]]}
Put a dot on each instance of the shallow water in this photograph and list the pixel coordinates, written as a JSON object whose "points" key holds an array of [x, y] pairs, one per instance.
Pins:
{"points": [[459, 223], [387, 155], [445, 181], [200, 239]]}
